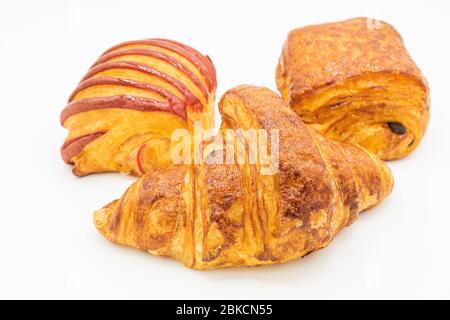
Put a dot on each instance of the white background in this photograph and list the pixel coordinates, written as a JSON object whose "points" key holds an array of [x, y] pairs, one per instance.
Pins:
{"points": [[49, 247]]}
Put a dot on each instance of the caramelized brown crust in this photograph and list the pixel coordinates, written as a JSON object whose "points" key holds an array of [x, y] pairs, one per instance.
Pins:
{"points": [[136, 94], [229, 215], [355, 81]]}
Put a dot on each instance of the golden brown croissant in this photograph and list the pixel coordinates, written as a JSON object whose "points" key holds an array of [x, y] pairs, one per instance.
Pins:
{"points": [[227, 215], [355, 81], [122, 114]]}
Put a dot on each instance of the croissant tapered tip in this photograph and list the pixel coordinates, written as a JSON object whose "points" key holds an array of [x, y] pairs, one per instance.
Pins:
{"points": [[101, 218]]}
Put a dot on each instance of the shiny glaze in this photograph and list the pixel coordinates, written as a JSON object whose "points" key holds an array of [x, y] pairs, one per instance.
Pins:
{"points": [[160, 56], [121, 102], [191, 99], [201, 62]]}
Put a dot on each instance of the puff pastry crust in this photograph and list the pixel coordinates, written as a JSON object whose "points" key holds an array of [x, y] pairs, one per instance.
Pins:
{"points": [[123, 112], [229, 215], [355, 81]]}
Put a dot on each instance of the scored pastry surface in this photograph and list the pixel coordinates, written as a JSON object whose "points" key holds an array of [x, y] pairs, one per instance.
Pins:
{"points": [[123, 112]]}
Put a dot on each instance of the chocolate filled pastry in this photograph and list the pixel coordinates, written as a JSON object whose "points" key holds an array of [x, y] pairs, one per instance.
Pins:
{"points": [[123, 112], [355, 81], [229, 214]]}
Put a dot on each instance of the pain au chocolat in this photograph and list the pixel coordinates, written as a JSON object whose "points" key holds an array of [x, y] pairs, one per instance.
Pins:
{"points": [[355, 81], [232, 214], [122, 113]]}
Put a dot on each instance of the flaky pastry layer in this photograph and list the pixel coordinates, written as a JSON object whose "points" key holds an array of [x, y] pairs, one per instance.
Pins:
{"points": [[355, 81], [123, 112]]}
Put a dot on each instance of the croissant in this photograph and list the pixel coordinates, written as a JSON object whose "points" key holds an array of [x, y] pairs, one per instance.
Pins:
{"points": [[355, 81], [121, 115], [212, 215]]}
